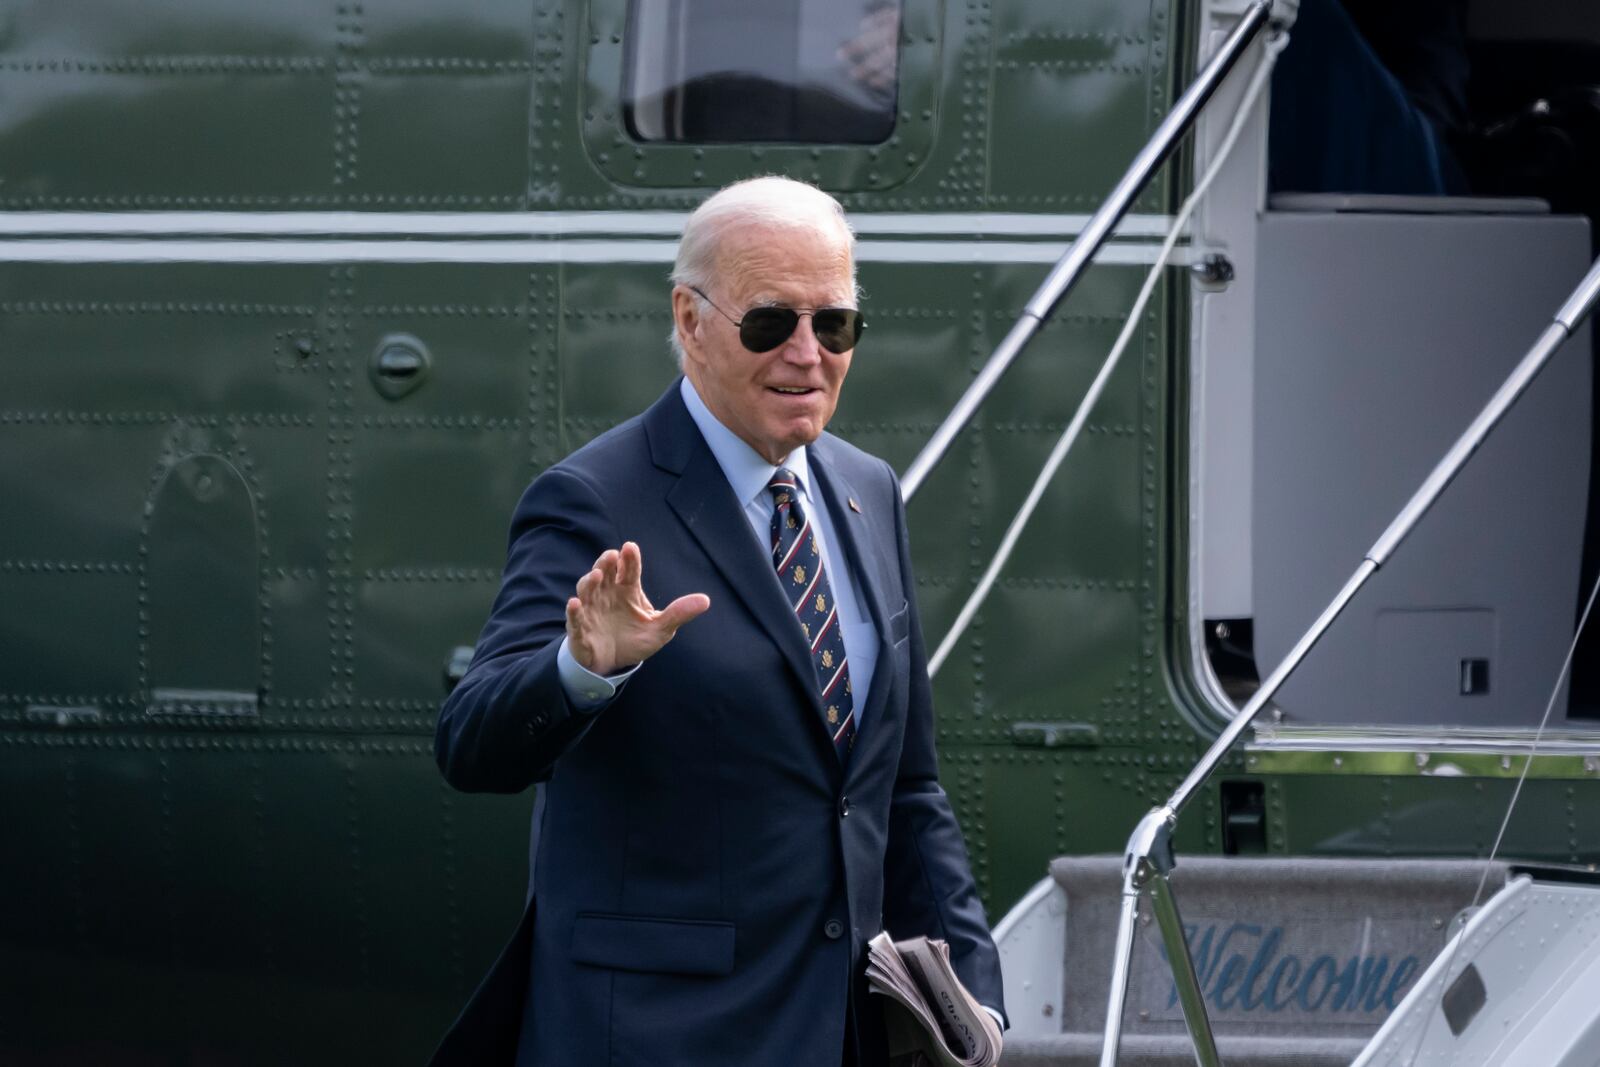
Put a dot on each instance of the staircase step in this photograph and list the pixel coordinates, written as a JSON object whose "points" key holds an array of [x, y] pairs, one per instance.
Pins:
{"points": [[1144, 1050], [1300, 960]]}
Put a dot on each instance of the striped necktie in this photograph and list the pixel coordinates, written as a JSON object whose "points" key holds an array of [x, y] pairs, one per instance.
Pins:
{"points": [[800, 572]]}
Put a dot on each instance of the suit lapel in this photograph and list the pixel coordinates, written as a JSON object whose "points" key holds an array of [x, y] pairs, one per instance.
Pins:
{"points": [[867, 562], [851, 527], [704, 502]]}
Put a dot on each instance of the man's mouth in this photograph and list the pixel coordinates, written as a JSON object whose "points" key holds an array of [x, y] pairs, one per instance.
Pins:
{"points": [[791, 390]]}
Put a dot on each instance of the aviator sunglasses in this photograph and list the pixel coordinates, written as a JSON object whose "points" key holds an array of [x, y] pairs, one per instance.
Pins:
{"points": [[764, 328]]}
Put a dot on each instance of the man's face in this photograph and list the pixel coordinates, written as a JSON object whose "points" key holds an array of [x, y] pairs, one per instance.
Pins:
{"points": [[779, 400]]}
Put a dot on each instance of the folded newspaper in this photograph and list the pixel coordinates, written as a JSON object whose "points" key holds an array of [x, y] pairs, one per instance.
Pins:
{"points": [[931, 1019]]}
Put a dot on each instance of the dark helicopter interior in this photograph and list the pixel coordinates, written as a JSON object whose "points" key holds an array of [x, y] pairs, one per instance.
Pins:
{"points": [[725, 71], [1536, 89], [1488, 109]]}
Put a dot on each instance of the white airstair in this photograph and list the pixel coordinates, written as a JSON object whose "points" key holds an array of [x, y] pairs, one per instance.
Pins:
{"points": [[1305, 962]]}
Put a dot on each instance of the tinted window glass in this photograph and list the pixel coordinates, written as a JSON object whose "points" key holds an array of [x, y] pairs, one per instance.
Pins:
{"points": [[774, 70]]}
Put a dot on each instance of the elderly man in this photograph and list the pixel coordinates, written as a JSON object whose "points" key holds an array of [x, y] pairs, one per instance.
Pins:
{"points": [[740, 786]]}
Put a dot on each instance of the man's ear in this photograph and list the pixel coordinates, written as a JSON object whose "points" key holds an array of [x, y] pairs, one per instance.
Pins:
{"points": [[686, 318]]}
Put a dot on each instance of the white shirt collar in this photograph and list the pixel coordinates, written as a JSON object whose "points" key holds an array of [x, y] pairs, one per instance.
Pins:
{"points": [[742, 465]]}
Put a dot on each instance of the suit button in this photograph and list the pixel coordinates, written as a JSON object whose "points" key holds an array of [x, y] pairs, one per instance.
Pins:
{"points": [[834, 929], [844, 807]]}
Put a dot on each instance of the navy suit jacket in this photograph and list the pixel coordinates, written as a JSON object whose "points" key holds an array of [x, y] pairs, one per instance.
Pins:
{"points": [[706, 872]]}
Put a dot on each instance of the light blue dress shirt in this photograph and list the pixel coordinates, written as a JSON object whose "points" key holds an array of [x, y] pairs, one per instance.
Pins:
{"points": [[748, 475]]}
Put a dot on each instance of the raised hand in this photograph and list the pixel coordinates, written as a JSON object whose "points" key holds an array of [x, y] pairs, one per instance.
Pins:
{"points": [[611, 624]]}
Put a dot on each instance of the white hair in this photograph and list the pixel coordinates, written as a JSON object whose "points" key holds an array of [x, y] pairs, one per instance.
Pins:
{"points": [[773, 201]]}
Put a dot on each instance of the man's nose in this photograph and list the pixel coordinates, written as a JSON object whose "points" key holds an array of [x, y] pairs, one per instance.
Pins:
{"points": [[802, 347]]}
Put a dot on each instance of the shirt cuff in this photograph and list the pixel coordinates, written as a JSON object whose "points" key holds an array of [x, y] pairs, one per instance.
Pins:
{"points": [[585, 689], [999, 1020]]}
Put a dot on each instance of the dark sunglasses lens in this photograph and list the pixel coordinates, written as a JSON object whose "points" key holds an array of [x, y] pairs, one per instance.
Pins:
{"points": [[764, 329], [838, 329]]}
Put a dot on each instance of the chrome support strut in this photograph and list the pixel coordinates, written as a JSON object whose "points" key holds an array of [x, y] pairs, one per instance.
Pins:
{"points": [[1165, 906]]}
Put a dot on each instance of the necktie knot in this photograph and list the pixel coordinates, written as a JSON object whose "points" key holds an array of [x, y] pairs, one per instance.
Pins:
{"points": [[783, 486]]}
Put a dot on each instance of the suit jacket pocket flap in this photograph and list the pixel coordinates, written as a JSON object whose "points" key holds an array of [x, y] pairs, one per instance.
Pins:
{"points": [[637, 943]]}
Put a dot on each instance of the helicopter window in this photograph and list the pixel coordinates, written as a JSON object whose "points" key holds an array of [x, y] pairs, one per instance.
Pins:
{"points": [[720, 71]]}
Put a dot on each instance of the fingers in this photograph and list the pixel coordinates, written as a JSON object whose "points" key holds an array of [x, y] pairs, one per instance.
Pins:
{"points": [[575, 632], [631, 565], [610, 605], [590, 583], [607, 570], [684, 609]]}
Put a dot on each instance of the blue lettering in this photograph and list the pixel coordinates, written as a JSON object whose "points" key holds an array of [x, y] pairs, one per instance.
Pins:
{"points": [[1369, 989], [1264, 952], [1281, 973], [1346, 985], [1231, 973], [1222, 946], [1303, 995], [1270, 979], [1398, 981]]}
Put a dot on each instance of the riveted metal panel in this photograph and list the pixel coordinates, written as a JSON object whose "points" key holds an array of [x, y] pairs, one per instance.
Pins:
{"points": [[46, 909], [53, 615], [408, 621], [1011, 821], [1083, 642], [1441, 816], [164, 104], [407, 115], [409, 484], [911, 361], [114, 341], [477, 30], [1068, 76], [470, 892], [129, 877], [614, 357], [1093, 495], [179, 884], [288, 105], [1072, 345], [112, 127], [52, 462], [129, 374], [430, 511], [107, 28], [473, 321], [287, 459], [302, 656]]}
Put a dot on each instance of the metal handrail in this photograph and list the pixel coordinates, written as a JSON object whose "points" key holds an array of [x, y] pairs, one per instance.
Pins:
{"points": [[1149, 857], [1071, 266]]}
